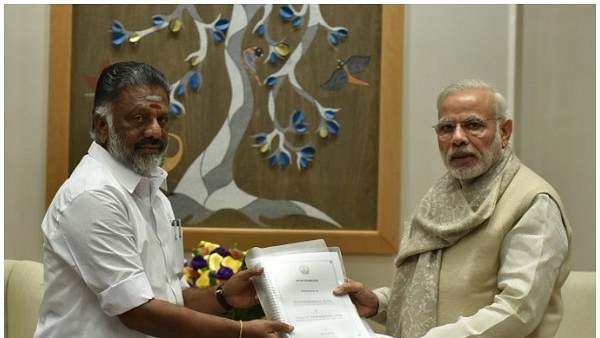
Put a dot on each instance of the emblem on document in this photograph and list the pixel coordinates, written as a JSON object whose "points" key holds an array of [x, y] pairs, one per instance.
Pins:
{"points": [[303, 269]]}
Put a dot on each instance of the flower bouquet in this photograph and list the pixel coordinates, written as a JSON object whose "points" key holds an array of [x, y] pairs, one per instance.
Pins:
{"points": [[212, 264]]}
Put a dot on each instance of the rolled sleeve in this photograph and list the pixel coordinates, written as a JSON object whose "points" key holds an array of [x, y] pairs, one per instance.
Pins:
{"points": [[102, 244], [126, 295]]}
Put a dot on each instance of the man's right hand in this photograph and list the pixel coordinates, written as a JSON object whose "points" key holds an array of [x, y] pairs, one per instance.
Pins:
{"points": [[362, 297]]}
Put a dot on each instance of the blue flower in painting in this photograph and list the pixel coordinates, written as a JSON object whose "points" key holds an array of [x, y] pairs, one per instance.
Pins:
{"points": [[332, 127], [335, 37], [279, 158], [119, 34], [298, 122], [195, 81], [175, 108], [220, 29], [273, 57], [271, 81], [328, 127], [158, 20], [289, 14], [305, 156], [260, 30], [180, 89], [261, 142]]}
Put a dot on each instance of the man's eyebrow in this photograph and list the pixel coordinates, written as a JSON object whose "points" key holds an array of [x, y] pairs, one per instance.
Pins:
{"points": [[468, 118], [473, 117]]}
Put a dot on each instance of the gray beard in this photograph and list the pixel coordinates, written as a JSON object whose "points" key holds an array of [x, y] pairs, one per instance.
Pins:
{"points": [[143, 165], [488, 159]]}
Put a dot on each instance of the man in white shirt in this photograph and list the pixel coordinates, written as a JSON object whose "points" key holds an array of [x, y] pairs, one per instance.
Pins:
{"points": [[486, 252], [113, 259]]}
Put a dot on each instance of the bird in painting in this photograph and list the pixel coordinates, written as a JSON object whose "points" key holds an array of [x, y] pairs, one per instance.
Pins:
{"points": [[345, 71]]}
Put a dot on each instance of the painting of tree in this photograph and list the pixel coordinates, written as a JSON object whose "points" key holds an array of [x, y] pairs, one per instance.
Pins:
{"points": [[277, 108]]}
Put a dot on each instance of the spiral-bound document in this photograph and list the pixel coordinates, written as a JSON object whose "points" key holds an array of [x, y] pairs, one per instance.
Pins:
{"points": [[296, 287]]}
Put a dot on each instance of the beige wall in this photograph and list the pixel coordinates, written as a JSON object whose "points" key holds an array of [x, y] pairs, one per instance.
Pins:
{"points": [[557, 115], [25, 114], [543, 57]]}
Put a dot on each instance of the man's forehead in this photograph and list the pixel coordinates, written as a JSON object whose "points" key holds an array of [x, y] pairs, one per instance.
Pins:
{"points": [[150, 98], [153, 101], [143, 96], [470, 97], [147, 98], [144, 92]]}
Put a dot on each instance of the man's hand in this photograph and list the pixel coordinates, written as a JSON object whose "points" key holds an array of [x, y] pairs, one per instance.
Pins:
{"points": [[239, 290], [264, 328], [365, 301]]}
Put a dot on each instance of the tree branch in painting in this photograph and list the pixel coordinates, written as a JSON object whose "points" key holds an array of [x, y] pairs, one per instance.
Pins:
{"points": [[208, 184]]}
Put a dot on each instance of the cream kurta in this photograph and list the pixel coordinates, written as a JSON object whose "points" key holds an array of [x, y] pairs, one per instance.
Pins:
{"points": [[513, 273]]}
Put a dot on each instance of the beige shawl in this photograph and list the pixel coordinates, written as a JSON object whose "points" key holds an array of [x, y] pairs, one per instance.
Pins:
{"points": [[447, 213]]}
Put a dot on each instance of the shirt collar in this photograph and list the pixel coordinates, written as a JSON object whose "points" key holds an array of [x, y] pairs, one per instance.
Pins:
{"points": [[127, 177]]}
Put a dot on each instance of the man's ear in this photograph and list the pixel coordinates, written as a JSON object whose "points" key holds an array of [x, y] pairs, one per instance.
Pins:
{"points": [[505, 131], [101, 129]]}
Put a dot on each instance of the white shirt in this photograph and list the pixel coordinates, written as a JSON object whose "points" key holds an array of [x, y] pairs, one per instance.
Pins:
{"points": [[108, 247], [540, 239]]}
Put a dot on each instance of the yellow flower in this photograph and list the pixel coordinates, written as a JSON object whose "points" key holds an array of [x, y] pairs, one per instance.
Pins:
{"points": [[204, 279], [214, 261], [211, 264], [208, 245], [232, 263]]}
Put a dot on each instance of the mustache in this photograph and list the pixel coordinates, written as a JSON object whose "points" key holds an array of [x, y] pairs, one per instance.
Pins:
{"points": [[150, 142], [462, 152]]}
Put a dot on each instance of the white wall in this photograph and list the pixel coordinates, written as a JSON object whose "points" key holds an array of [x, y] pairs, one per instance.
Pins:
{"points": [[443, 43], [25, 114], [557, 114], [438, 52]]}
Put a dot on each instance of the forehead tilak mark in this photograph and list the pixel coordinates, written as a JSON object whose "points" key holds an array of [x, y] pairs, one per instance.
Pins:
{"points": [[154, 98]]}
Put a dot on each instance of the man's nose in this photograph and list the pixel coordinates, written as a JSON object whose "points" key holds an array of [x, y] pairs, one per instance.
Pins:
{"points": [[459, 135], [153, 129]]}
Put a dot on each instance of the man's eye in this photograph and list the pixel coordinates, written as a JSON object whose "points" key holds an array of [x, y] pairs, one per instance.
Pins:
{"points": [[473, 125], [164, 120], [447, 127], [139, 119]]}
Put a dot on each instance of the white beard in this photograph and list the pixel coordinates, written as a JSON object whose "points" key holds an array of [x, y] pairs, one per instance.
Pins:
{"points": [[485, 162], [141, 164]]}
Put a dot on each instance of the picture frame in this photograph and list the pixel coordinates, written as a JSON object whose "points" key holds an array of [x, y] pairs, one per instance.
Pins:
{"points": [[383, 239]]}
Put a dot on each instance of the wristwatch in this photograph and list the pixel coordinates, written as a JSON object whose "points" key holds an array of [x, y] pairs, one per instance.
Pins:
{"points": [[221, 298]]}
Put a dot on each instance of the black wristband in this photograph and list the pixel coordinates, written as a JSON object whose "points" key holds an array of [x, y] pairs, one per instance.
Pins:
{"points": [[221, 299]]}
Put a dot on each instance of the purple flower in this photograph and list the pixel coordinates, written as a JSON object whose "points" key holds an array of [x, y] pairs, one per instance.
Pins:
{"points": [[198, 262], [223, 251], [224, 273]]}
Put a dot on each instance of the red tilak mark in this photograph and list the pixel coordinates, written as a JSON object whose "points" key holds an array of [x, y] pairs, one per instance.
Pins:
{"points": [[155, 106]]}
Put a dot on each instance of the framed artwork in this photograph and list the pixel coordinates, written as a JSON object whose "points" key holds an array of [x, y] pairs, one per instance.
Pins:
{"points": [[287, 117]]}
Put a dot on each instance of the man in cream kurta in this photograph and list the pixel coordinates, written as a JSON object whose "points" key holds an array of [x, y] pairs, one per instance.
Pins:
{"points": [[487, 250]]}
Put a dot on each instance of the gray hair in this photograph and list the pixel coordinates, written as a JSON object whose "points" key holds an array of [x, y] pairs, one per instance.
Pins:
{"points": [[121, 76], [500, 102]]}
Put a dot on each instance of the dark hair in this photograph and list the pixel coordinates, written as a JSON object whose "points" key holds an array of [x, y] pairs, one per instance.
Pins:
{"points": [[124, 75]]}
